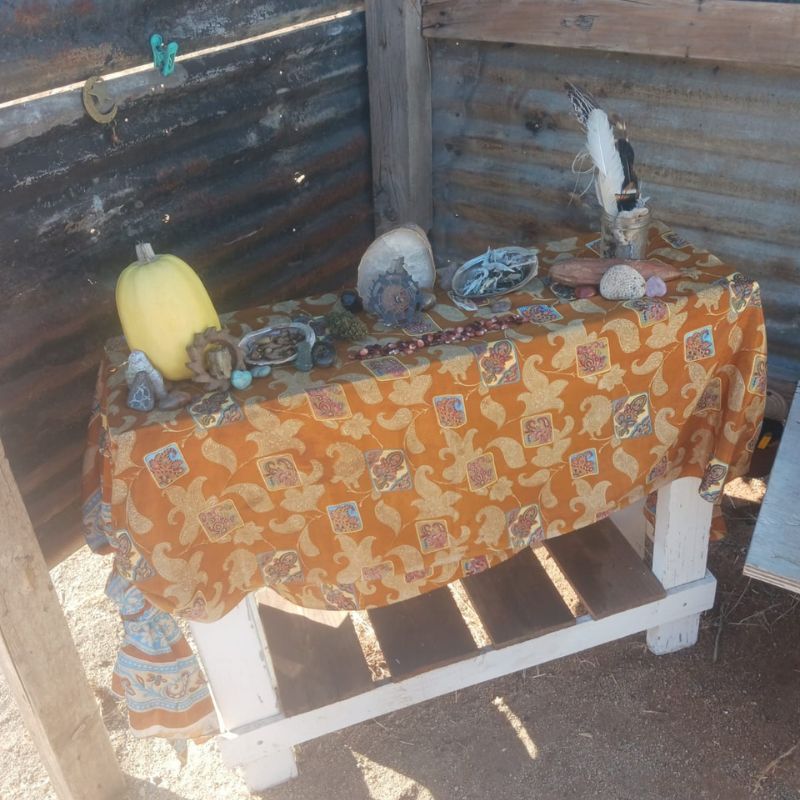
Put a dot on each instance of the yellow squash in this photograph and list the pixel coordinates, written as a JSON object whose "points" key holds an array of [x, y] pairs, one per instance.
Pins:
{"points": [[162, 304]]}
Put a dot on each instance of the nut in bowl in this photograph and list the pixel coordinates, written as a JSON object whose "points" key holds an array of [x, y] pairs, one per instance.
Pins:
{"points": [[496, 272], [276, 344]]}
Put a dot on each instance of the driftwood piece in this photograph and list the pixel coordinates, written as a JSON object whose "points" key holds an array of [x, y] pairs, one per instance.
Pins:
{"points": [[588, 271]]}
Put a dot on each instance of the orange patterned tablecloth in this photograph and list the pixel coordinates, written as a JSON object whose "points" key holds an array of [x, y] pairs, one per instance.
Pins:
{"points": [[372, 481]]}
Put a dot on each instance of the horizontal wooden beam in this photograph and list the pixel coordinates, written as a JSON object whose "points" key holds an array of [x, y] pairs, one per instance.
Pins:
{"points": [[719, 30]]}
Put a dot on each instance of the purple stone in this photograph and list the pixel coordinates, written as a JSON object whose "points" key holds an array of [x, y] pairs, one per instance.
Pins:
{"points": [[655, 287]]}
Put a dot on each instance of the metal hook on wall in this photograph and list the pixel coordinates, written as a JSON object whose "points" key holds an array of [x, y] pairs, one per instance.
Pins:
{"points": [[100, 106]]}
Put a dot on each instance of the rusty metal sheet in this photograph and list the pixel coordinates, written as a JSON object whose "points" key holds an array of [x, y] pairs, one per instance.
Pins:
{"points": [[716, 145], [255, 169], [48, 43]]}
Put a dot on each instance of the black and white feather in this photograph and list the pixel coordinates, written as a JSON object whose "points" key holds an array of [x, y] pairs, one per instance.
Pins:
{"points": [[582, 102], [616, 183]]}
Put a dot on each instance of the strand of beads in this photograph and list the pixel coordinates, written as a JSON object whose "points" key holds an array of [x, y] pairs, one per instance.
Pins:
{"points": [[472, 330]]}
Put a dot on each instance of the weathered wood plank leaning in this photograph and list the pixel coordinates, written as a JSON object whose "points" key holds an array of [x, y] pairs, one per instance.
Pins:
{"points": [[774, 554]]}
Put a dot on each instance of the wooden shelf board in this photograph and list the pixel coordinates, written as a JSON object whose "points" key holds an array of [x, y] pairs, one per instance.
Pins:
{"points": [[316, 655], [604, 570], [516, 600], [421, 633]]}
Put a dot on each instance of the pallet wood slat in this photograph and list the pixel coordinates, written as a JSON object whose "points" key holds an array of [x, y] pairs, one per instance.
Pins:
{"points": [[516, 600], [774, 554], [316, 662], [421, 633], [42, 666], [605, 571], [714, 29]]}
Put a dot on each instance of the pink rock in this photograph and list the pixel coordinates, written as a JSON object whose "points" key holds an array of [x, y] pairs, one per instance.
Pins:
{"points": [[583, 292], [655, 287]]}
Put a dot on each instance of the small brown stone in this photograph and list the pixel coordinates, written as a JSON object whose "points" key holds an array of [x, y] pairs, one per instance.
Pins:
{"points": [[427, 300]]}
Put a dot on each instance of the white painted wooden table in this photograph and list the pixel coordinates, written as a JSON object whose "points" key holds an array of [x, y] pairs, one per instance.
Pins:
{"points": [[258, 738]]}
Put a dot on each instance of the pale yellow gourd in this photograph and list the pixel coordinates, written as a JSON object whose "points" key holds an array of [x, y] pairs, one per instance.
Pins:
{"points": [[162, 304]]}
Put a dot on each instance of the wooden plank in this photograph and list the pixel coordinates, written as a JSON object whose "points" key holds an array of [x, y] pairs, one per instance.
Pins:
{"points": [[255, 744], [44, 45], [516, 600], [720, 30], [263, 184], [42, 666], [400, 114], [774, 554], [604, 569], [421, 633], [317, 661]]}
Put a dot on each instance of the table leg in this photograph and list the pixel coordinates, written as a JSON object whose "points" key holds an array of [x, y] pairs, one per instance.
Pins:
{"points": [[680, 550], [234, 654]]}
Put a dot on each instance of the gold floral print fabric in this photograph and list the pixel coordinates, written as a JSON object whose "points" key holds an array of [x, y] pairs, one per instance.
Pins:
{"points": [[373, 481]]}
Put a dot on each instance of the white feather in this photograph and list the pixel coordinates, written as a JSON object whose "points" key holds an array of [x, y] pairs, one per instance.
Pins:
{"points": [[609, 175]]}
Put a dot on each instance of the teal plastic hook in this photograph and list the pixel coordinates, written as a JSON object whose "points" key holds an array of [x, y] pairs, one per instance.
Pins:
{"points": [[163, 55]]}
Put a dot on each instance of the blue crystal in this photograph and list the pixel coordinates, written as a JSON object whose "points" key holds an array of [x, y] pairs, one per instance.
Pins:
{"points": [[241, 378]]}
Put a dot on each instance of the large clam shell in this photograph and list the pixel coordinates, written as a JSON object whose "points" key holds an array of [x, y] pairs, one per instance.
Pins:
{"points": [[408, 241]]}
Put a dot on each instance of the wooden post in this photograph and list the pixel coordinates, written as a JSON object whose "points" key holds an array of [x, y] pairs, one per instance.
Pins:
{"points": [[41, 664], [400, 114], [680, 551]]}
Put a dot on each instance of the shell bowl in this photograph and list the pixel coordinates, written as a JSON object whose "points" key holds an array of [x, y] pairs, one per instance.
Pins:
{"points": [[467, 277], [250, 340]]}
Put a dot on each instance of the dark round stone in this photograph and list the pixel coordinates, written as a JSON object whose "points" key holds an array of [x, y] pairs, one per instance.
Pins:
{"points": [[351, 301], [323, 354]]}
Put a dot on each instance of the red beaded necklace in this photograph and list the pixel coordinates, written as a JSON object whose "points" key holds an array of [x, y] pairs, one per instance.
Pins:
{"points": [[472, 330]]}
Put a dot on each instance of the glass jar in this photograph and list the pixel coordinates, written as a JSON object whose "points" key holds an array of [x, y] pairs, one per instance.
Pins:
{"points": [[625, 237]]}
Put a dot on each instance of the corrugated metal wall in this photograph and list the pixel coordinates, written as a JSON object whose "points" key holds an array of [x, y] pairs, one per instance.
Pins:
{"points": [[717, 149], [251, 163], [48, 43]]}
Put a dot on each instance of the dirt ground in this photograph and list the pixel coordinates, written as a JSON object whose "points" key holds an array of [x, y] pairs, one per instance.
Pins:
{"points": [[613, 723]]}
